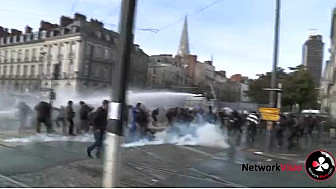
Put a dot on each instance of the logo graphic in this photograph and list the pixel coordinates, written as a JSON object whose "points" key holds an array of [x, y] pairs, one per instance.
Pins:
{"points": [[320, 165]]}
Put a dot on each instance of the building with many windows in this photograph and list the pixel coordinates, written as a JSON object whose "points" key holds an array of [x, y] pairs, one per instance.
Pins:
{"points": [[80, 53], [312, 57]]}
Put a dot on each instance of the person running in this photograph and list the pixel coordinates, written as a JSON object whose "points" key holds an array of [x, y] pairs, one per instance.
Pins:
{"points": [[24, 112], [70, 115], [84, 117], [252, 121], [61, 118], [43, 110], [135, 112], [99, 127]]}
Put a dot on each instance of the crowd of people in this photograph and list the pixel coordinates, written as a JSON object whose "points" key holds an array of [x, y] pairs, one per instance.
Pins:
{"points": [[141, 121], [89, 120]]}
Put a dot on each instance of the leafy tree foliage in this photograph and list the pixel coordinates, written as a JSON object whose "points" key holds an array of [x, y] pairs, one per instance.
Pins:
{"points": [[298, 88]]}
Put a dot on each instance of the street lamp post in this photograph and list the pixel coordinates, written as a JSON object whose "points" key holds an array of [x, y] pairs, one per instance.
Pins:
{"points": [[120, 74], [275, 63], [275, 53]]}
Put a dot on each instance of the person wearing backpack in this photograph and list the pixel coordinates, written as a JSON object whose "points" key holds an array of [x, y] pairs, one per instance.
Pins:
{"points": [[43, 110], [70, 115], [84, 117], [99, 119]]}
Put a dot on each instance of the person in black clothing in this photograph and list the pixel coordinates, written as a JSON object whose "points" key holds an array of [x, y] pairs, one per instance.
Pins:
{"points": [[170, 115], [43, 110], [280, 128], [99, 127], [236, 122], [70, 114], [221, 116], [142, 121], [155, 113], [84, 117]]}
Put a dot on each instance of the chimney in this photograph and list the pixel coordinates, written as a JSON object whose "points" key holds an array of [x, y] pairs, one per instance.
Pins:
{"points": [[192, 58], [64, 21], [208, 62], [15, 32], [47, 26], [28, 29], [80, 17], [96, 23]]}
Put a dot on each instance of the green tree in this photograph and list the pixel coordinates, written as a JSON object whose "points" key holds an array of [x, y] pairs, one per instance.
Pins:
{"points": [[298, 88], [256, 89]]}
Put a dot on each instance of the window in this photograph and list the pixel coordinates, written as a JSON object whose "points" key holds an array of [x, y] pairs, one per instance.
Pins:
{"points": [[18, 70], [61, 49], [108, 37], [86, 68], [88, 50], [11, 70], [26, 55], [98, 51], [5, 56], [4, 70], [40, 69], [98, 33], [72, 47], [32, 70], [96, 71], [48, 68], [107, 54], [34, 54], [105, 73], [19, 55]]}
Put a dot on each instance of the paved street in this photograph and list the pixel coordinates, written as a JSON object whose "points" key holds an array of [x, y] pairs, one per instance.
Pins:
{"points": [[65, 164]]}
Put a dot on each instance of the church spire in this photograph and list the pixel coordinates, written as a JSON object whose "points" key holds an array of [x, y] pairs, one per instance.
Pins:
{"points": [[183, 48]]}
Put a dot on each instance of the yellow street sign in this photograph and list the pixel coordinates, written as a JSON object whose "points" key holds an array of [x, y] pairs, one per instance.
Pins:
{"points": [[270, 110], [270, 117]]}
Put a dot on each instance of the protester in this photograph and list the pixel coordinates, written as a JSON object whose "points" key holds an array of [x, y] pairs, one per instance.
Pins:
{"points": [[43, 110], [70, 115], [142, 121], [210, 116], [252, 122], [24, 112], [99, 127], [155, 113], [84, 117], [61, 118]]}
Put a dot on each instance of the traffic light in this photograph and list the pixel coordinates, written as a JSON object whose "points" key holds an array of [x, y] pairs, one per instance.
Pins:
{"points": [[56, 71]]}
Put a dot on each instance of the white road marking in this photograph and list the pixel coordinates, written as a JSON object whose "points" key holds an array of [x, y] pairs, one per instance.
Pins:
{"points": [[14, 181]]}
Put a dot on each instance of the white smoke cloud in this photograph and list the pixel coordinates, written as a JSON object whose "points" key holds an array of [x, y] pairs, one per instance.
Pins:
{"points": [[202, 135]]}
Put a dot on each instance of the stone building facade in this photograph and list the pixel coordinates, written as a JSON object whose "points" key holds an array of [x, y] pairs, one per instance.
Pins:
{"points": [[81, 52], [328, 82]]}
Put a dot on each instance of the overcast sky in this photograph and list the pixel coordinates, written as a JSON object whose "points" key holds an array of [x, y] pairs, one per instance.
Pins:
{"points": [[237, 33]]}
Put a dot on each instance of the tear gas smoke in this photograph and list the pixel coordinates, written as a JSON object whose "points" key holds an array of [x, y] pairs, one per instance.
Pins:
{"points": [[203, 135]]}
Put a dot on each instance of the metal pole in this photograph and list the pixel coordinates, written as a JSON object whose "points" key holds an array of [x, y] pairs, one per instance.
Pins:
{"points": [[275, 54], [269, 133], [279, 96], [120, 75]]}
